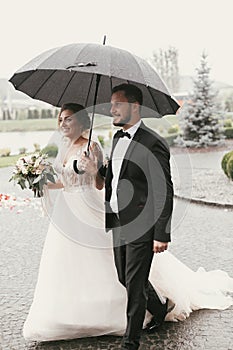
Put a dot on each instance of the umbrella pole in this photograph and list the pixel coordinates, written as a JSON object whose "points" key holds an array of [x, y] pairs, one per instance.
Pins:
{"points": [[93, 114], [75, 167]]}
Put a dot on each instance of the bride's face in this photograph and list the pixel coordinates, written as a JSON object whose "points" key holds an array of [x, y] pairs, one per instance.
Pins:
{"points": [[69, 124]]}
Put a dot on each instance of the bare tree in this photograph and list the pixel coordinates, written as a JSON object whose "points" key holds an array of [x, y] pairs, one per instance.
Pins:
{"points": [[166, 64]]}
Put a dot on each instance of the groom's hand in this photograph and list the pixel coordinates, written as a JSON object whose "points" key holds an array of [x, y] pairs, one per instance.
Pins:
{"points": [[160, 247]]}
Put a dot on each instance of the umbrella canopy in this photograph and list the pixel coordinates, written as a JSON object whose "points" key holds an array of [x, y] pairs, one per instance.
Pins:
{"points": [[84, 73]]}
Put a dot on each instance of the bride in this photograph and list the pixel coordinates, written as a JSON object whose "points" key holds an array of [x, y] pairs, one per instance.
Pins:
{"points": [[77, 292]]}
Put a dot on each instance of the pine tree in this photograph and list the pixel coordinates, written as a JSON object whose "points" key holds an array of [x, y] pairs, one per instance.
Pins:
{"points": [[200, 118]]}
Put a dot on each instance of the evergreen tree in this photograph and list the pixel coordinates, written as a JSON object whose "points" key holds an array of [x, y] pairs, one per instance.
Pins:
{"points": [[200, 118]]}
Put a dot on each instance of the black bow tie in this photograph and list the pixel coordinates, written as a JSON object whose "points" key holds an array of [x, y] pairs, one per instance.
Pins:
{"points": [[121, 133]]}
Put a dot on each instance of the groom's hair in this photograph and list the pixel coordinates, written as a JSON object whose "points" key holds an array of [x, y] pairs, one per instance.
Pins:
{"points": [[79, 111], [131, 92]]}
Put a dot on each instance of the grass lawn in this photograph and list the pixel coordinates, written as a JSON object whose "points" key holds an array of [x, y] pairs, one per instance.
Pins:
{"points": [[165, 122], [8, 161], [100, 122], [28, 125]]}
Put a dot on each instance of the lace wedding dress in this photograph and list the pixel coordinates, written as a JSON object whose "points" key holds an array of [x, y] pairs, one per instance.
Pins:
{"points": [[78, 293]]}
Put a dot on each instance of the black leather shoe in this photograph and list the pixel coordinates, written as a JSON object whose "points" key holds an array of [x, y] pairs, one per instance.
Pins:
{"points": [[153, 325], [156, 323]]}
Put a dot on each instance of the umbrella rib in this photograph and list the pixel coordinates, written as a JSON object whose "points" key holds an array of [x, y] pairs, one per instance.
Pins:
{"points": [[66, 88], [153, 99], [138, 64], [54, 71], [111, 83], [131, 82], [169, 98], [16, 87], [92, 77]]}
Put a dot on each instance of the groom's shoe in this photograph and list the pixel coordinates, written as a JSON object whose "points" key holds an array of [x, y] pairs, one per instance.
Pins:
{"points": [[153, 325], [156, 323]]}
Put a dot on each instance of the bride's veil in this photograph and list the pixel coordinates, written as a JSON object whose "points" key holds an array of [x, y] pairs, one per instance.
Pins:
{"points": [[63, 144]]}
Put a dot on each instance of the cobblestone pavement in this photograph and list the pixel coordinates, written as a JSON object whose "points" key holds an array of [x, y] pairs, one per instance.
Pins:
{"points": [[202, 237], [199, 176]]}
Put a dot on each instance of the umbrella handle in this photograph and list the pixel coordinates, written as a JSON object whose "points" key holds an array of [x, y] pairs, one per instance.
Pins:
{"points": [[75, 164], [75, 167]]}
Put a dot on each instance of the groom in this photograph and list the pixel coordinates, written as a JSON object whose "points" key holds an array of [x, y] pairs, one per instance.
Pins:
{"points": [[139, 202]]}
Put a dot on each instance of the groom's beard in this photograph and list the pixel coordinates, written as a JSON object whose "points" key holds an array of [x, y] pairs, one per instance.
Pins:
{"points": [[123, 122]]}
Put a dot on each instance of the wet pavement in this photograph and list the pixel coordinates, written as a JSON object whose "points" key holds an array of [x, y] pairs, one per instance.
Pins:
{"points": [[202, 236], [199, 176]]}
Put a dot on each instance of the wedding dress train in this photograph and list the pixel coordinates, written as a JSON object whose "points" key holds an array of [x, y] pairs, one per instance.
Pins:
{"points": [[78, 293]]}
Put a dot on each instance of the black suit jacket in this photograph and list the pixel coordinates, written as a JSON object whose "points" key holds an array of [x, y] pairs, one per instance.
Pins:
{"points": [[144, 191]]}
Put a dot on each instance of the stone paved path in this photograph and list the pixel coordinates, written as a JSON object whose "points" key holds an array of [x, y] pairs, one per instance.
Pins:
{"points": [[202, 237]]}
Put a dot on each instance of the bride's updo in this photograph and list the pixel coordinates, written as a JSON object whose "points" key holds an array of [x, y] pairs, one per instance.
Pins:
{"points": [[80, 113]]}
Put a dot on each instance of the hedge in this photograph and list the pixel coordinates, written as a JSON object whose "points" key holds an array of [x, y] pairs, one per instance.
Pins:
{"points": [[170, 139], [228, 132], [227, 164], [51, 149]]}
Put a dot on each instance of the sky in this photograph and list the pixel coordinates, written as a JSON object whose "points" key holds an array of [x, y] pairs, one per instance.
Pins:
{"points": [[29, 28]]}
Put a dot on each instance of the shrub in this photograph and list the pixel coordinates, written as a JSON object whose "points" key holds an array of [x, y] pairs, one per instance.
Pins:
{"points": [[227, 123], [171, 138], [101, 140], [227, 164], [22, 150], [161, 130], [174, 129], [228, 132], [51, 149], [5, 152], [36, 147], [230, 167]]}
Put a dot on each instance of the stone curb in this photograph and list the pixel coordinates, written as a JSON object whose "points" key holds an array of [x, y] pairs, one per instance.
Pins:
{"points": [[203, 202]]}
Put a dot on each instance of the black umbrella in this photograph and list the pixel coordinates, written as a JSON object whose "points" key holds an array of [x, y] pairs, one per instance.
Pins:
{"points": [[86, 74]]}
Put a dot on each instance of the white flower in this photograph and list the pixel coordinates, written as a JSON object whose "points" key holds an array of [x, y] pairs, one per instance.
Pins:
{"points": [[28, 159], [37, 162], [19, 162], [24, 170]]}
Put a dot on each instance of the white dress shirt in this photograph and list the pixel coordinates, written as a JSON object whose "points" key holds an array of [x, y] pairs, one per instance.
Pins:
{"points": [[117, 160]]}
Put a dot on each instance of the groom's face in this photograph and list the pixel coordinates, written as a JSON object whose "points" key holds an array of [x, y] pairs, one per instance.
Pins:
{"points": [[120, 109]]}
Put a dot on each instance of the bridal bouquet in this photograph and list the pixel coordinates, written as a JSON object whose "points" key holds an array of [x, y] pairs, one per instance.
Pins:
{"points": [[33, 171]]}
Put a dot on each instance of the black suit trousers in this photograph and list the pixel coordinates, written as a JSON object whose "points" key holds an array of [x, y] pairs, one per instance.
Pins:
{"points": [[133, 261]]}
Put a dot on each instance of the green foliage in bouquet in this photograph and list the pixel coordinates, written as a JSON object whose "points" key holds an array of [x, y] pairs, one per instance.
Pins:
{"points": [[33, 171]]}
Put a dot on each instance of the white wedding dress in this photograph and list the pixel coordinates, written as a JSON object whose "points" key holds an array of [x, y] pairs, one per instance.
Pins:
{"points": [[78, 293]]}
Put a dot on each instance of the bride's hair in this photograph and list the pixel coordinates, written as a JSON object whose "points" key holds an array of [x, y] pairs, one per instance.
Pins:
{"points": [[79, 111]]}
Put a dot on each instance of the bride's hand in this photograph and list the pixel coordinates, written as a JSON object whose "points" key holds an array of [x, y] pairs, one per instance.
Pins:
{"points": [[88, 165]]}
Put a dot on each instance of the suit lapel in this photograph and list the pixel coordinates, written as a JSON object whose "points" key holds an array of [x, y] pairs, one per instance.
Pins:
{"points": [[109, 174], [114, 142], [130, 149]]}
